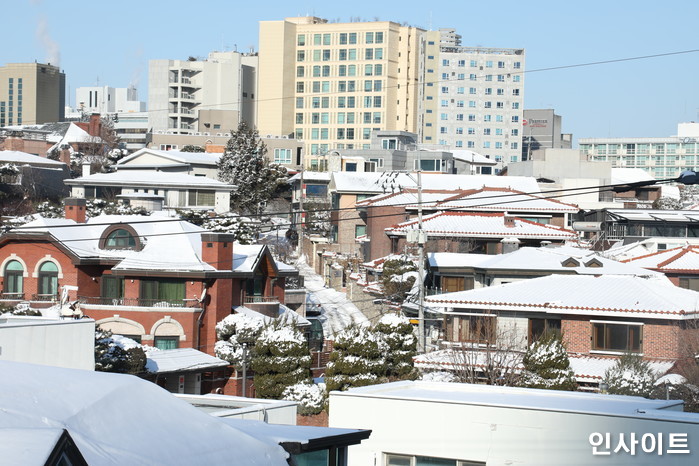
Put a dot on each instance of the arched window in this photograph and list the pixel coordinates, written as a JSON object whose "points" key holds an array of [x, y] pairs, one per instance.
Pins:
{"points": [[13, 280], [48, 280], [120, 239]]}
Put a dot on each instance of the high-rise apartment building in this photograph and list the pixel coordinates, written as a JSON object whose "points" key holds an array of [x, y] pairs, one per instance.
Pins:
{"points": [[202, 96], [31, 93], [473, 97], [331, 84]]}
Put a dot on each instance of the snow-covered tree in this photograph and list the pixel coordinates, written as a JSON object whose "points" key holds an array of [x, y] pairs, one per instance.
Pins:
{"points": [[192, 148], [667, 203], [398, 334], [245, 165], [546, 364], [358, 359], [310, 397], [234, 331], [280, 359], [114, 353], [398, 277], [631, 375]]}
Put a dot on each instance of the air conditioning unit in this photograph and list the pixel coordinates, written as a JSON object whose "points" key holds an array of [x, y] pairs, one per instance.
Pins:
{"points": [[207, 134]]}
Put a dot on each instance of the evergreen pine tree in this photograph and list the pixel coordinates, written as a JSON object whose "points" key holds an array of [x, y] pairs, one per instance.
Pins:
{"points": [[631, 375], [402, 346], [546, 365], [110, 356], [280, 359], [234, 332], [358, 359], [245, 165]]}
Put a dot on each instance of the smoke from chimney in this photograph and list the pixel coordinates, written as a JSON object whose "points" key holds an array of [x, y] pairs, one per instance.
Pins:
{"points": [[51, 48]]}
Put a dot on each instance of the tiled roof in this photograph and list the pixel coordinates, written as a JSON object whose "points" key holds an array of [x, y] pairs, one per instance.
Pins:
{"points": [[181, 360], [677, 259], [503, 199], [606, 295], [481, 225]]}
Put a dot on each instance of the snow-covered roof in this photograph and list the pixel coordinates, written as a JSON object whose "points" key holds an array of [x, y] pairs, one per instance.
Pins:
{"points": [[481, 225], [98, 410], [149, 178], [606, 295], [311, 176], [181, 360], [201, 158], [629, 175], [550, 259], [677, 259], [587, 369], [406, 197], [655, 215], [372, 182], [503, 199], [73, 134], [525, 398], [469, 156], [286, 314], [23, 158]]}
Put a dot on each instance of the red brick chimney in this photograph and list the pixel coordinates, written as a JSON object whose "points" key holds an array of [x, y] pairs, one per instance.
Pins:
{"points": [[509, 220], [14, 143], [95, 125], [217, 250], [75, 209]]}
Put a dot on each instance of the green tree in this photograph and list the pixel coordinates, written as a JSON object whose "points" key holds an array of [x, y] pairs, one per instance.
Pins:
{"points": [[546, 364], [280, 359], [631, 375], [358, 359], [397, 332], [115, 355], [397, 279], [245, 165]]}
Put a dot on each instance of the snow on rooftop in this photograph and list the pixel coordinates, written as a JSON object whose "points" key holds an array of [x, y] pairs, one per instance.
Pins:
{"points": [[181, 360], [22, 158], [150, 178], [205, 158], [525, 398], [684, 258], [469, 156], [484, 225], [311, 176], [502, 199], [629, 175], [99, 411], [606, 295]]}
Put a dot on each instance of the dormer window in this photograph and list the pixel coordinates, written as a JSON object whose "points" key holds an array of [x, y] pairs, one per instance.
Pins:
{"points": [[570, 262], [120, 237]]}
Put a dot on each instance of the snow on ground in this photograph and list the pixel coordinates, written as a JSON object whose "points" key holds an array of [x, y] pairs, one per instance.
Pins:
{"points": [[337, 311]]}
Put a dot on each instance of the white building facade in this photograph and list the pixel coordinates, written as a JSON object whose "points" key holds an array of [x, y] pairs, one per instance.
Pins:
{"points": [[202, 96], [107, 100], [660, 157], [473, 97]]}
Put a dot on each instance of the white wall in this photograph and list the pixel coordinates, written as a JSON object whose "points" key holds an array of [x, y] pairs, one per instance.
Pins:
{"points": [[51, 342], [496, 435]]}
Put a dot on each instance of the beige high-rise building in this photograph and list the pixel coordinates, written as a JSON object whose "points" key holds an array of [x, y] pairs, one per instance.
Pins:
{"points": [[331, 84], [31, 93]]}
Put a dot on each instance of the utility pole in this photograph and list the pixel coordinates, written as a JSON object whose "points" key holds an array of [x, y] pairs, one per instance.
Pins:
{"points": [[301, 214], [422, 343]]}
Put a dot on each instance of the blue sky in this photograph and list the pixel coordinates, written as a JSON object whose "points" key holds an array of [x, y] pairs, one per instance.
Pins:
{"points": [[113, 41]]}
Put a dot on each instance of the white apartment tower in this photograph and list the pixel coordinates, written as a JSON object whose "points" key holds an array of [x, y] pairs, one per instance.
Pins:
{"points": [[202, 96], [331, 84], [106, 100], [473, 97]]}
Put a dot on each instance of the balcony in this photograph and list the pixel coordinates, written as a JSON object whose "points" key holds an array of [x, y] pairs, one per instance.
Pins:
{"points": [[267, 305], [5, 296], [139, 302]]}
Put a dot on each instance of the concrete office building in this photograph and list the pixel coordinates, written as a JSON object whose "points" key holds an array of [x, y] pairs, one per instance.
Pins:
{"points": [[31, 93], [332, 84], [473, 97], [660, 157], [105, 99], [541, 129], [202, 96]]}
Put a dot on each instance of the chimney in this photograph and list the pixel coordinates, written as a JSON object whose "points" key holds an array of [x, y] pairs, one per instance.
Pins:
{"points": [[14, 143], [217, 250], [95, 125], [87, 168], [509, 220], [75, 209], [510, 244]]}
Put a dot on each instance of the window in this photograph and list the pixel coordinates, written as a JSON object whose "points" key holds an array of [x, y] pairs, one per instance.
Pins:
{"points": [[201, 198], [612, 336], [359, 230], [515, 105], [515, 118], [472, 77], [488, 64], [472, 90], [48, 280], [112, 288], [120, 239], [516, 78], [299, 102], [14, 273], [282, 156], [378, 38], [488, 77], [166, 343], [461, 63], [517, 65], [515, 91], [301, 40], [471, 131], [474, 329], [299, 71], [301, 55], [162, 291], [430, 165]]}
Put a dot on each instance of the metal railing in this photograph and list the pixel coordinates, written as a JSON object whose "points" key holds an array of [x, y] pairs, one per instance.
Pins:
{"points": [[138, 302], [261, 299], [12, 296], [294, 283], [45, 297]]}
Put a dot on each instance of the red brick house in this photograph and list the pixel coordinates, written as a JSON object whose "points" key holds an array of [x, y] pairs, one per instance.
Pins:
{"points": [[680, 265], [599, 316], [159, 280]]}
